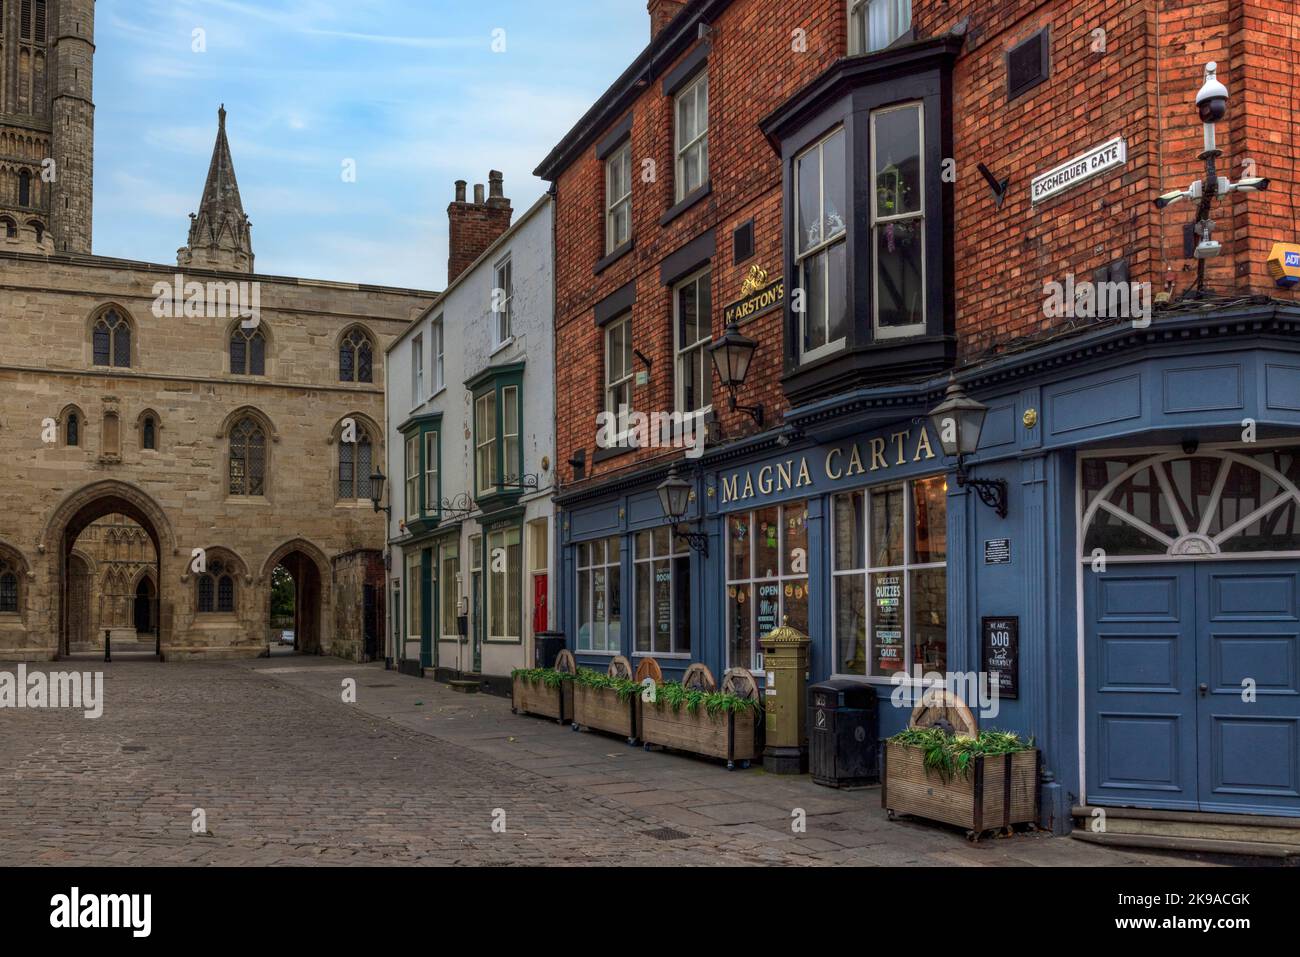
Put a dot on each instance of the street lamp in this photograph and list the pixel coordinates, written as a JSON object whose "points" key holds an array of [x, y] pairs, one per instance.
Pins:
{"points": [[377, 491], [732, 354], [958, 421], [675, 498], [1211, 107]]}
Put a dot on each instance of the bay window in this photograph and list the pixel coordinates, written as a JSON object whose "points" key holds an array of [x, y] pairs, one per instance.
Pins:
{"points": [[875, 24], [498, 431], [431, 485], [662, 568], [693, 331], [618, 198], [599, 598], [889, 579], [898, 220], [767, 578], [510, 451], [692, 137], [821, 247], [412, 477]]}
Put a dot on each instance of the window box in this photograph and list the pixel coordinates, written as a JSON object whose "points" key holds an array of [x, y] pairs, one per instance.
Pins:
{"points": [[542, 692]]}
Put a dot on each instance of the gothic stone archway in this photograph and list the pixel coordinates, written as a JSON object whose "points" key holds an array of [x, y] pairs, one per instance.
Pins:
{"points": [[310, 572], [72, 517]]}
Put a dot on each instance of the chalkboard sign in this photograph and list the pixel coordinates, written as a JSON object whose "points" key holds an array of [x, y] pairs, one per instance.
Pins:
{"points": [[1001, 643]]}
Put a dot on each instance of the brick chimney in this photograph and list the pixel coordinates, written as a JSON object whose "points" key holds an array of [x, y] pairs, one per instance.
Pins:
{"points": [[474, 226], [662, 13]]}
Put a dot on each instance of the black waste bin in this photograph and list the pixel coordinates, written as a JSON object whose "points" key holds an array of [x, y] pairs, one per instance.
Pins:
{"points": [[843, 733], [547, 645]]}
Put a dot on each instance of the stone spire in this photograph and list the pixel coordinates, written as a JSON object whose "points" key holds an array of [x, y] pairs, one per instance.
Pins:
{"points": [[220, 233]]}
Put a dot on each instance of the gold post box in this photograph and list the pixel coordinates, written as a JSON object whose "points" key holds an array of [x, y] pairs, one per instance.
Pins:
{"points": [[785, 666]]}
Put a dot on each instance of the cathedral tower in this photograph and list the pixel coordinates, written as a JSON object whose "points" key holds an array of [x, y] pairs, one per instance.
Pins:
{"points": [[220, 233], [47, 125]]}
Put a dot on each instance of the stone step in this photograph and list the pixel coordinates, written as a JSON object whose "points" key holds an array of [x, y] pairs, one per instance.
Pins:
{"points": [[1283, 832], [1278, 853]]}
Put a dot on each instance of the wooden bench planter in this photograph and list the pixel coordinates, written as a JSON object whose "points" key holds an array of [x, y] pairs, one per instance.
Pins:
{"points": [[1000, 790], [528, 697], [726, 735], [601, 709]]}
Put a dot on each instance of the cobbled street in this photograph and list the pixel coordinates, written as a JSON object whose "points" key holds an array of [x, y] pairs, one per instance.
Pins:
{"points": [[413, 773]]}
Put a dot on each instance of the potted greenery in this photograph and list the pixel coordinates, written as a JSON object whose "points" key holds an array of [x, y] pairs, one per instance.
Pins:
{"points": [[605, 703], [980, 782], [693, 717], [542, 691]]}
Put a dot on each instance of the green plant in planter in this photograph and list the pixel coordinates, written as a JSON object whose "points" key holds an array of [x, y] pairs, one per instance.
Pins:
{"points": [[675, 695], [625, 687], [546, 676], [951, 754]]}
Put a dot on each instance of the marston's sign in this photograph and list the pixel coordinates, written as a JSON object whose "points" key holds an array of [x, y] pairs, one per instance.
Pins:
{"points": [[758, 296], [1097, 160]]}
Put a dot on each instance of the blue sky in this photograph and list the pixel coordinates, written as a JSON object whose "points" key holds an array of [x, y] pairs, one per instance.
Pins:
{"points": [[409, 89]]}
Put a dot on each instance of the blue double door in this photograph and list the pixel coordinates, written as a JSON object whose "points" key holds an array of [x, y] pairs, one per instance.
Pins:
{"points": [[1192, 686]]}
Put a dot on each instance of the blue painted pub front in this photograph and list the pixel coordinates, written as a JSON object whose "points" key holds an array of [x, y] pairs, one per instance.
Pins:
{"points": [[1149, 563]]}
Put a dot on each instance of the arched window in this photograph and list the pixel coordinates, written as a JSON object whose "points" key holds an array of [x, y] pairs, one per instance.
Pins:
{"points": [[24, 188], [39, 230], [112, 341], [356, 462], [10, 228], [216, 589], [149, 433], [247, 352], [8, 588], [356, 356], [72, 430], [247, 458]]}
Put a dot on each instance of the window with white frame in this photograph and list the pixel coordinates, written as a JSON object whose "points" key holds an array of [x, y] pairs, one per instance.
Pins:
{"points": [[417, 370], [898, 220], [661, 563], [412, 478], [875, 24], [618, 198], [692, 137], [485, 439], [767, 578], [503, 299], [505, 585], [436, 348], [599, 600], [414, 620], [618, 365], [510, 452], [821, 247], [449, 589], [693, 331], [889, 553], [431, 473]]}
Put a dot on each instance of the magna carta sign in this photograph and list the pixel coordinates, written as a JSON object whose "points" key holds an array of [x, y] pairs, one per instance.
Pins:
{"points": [[757, 297]]}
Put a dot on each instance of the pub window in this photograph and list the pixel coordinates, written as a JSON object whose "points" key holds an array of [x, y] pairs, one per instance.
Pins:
{"points": [[8, 588], [821, 247], [875, 24], [693, 331], [356, 461], [662, 569], [247, 458], [600, 577], [889, 574], [692, 137], [505, 584], [412, 477], [216, 589], [898, 221], [431, 457], [247, 351], [618, 198], [618, 365], [356, 358], [767, 578], [112, 341]]}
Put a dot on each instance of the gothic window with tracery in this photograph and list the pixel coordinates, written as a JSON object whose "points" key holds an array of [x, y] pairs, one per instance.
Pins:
{"points": [[356, 358], [216, 589], [247, 352], [112, 341], [356, 462], [247, 458], [8, 588]]}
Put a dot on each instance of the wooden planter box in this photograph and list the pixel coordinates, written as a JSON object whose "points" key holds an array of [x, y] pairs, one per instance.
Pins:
{"points": [[1001, 790], [601, 709], [724, 735], [535, 698]]}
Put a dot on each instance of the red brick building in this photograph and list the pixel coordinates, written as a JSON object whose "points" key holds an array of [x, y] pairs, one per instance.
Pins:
{"points": [[885, 193]]}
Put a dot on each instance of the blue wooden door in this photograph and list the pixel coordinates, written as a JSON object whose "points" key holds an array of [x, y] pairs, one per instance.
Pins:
{"points": [[1249, 694], [1193, 686], [1141, 686]]}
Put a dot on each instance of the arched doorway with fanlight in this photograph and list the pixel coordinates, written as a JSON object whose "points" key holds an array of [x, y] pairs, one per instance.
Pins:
{"points": [[1190, 576]]}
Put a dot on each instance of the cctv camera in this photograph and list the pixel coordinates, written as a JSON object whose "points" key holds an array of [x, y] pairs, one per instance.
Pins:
{"points": [[1212, 101], [1168, 199], [1252, 184]]}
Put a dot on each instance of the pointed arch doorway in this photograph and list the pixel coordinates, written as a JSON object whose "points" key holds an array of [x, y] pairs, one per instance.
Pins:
{"points": [[307, 568]]}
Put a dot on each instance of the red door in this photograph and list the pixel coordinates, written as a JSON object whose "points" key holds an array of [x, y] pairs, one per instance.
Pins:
{"points": [[539, 603]]}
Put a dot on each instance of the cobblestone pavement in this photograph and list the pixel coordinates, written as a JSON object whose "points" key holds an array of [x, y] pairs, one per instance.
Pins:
{"points": [[287, 773]]}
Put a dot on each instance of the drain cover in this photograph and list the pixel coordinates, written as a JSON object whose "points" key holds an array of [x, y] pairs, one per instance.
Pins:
{"points": [[667, 834], [134, 747]]}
